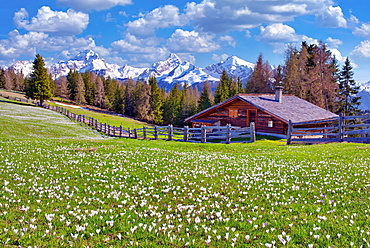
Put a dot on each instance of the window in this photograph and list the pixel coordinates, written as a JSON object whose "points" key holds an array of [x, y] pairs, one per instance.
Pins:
{"points": [[270, 123], [233, 113]]}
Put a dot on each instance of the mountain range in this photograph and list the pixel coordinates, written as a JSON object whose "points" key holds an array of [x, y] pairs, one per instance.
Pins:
{"points": [[167, 72]]}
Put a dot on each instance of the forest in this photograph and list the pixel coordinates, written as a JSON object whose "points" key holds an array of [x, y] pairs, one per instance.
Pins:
{"points": [[310, 72]]}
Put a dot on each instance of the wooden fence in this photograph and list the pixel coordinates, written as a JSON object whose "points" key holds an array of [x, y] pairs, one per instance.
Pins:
{"points": [[338, 129], [203, 134]]}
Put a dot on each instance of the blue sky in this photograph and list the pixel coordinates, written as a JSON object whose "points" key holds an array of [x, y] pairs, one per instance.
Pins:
{"points": [[203, 32]]}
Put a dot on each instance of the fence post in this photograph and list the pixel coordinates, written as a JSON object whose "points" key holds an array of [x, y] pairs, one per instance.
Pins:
{"points": [[289, 134], [144, 132], [129, 132], [135, 133], [228, 134], [186, 135], [341, 127], [203, 135], [120, 131], [155, 132], [108, 130], [170, 132], [253, 132]]}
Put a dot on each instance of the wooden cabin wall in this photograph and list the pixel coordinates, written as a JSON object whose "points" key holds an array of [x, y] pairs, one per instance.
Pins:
{"points": [[244, 109]]}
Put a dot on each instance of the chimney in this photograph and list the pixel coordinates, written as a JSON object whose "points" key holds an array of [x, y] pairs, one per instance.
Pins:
{"points": [[279, 93]]}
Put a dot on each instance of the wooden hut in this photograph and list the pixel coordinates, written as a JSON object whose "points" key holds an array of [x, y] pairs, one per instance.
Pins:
{"points": [[270, 112]]}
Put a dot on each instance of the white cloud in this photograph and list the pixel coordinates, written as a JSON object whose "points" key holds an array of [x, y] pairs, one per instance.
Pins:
{"points": [[37, 42], [230, 40], [224, 15], [338, 55], [332, 17], [219, 58], [191, 41], [362, 50], [162, 17], [87, 5], [334, 43], [53, 22], [363, 31], [278, 32], [134, 45]]}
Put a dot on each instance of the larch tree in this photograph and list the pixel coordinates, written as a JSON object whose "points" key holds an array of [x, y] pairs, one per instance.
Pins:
{"points": [[99, 94], [80, 90], [39, 86], [259, 81]]}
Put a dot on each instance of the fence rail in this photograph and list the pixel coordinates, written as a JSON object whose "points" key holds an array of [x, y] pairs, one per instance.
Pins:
{"points": [[339, 129], [203, 134]]}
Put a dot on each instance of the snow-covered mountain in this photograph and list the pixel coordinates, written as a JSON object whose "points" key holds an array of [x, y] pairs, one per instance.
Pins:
{"points": [[167, 72], [233, 66], [365, 96], [24, 67]]}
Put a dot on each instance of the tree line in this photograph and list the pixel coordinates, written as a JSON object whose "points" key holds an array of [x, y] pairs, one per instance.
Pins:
{"points": [[310, 72]]}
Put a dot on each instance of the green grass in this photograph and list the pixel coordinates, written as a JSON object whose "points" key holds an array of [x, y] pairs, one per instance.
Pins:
{"points": [[67, 191], [112, 120]]}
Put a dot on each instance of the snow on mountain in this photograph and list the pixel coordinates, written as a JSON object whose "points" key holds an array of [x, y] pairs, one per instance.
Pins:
{"points": [[234, 66], [365, 96], [24, 67], [167, 72]]}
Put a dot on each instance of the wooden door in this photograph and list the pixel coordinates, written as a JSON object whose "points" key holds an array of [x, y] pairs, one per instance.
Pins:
{"points": [[251, 116]]}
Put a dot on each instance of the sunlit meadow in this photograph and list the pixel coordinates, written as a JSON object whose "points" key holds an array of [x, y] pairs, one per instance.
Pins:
{"points": [[79, 190]]}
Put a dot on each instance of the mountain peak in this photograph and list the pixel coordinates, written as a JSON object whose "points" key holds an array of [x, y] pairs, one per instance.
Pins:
{"points": [[174, 57], [87, 55], [234, 60]]}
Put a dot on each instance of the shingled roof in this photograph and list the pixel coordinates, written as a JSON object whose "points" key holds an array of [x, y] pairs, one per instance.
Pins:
{"points": [[290, 108]]}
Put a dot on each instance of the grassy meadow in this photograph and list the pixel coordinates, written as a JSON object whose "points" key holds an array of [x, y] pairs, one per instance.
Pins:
{"points": [[64, 185]]}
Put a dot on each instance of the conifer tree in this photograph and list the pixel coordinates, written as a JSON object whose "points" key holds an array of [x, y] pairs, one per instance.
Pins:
{"points": [[39, 86], [99, 94], [141, 101], [156, 101], [90, 88], [62, 87], [172, 106], [348, 103], [260, 78], [2, 78], [129, 97], [205, 99], [80, 90], [222, 91], [72, 79]]}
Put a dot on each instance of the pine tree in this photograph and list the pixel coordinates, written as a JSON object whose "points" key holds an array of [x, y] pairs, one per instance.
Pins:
{"points": [[141, 101], [172, 106], [205, 99], [39, 86], [119, 100], [156, 101], [72, 79], [348, 103], [90, 88], [222, 91]]}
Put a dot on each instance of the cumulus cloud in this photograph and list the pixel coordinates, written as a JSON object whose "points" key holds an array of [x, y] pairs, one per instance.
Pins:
{"points": [[224, 15], [363, 30], [133, 44], [230, 40], [221, 57], [278, 32], [362, 50], [87, 5], [34, 42], [191, 41], [334, 43], [162, 17], [332, 17], [52, 22]]}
